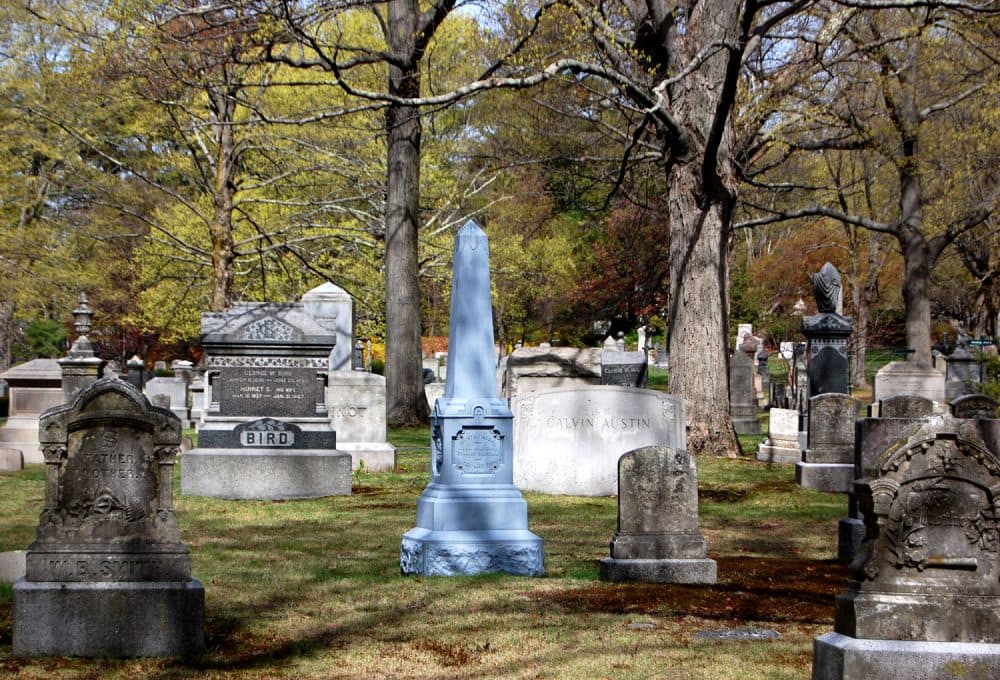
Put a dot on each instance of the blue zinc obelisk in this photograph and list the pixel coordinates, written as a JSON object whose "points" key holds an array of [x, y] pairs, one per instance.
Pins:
{"points": [[471, 519]]}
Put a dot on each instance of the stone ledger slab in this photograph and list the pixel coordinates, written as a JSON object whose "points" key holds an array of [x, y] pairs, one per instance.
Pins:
{"points": [[568, 441], [840, 657]]}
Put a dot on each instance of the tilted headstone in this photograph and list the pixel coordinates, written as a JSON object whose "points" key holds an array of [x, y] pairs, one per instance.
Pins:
{"points": [[471, 518], [266, 432], [569, 441], [658, 539], [828, 461], [974, 406], [925, 598], [782, 443], [108, 574], [742, 395]]}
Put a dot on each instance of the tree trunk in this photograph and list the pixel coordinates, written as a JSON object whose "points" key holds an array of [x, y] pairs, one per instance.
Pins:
{"points": [[702, 193], [223, 195], [405, 401], [917, 263], [697, 325], [6, 333]]}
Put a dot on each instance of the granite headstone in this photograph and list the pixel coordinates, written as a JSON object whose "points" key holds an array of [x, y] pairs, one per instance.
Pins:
{"points": [[658, 539], [828, 462], [108, 574]]}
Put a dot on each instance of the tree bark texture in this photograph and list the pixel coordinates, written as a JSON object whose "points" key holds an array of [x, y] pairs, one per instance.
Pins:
{"points": [[702, 193], [223, 105], [6, 333], [405, 401]]}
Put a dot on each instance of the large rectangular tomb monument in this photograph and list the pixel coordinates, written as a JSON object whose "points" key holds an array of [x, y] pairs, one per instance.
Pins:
{"points": [[266, 431]]}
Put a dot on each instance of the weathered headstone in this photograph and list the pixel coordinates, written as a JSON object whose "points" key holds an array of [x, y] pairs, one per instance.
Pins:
{"points": [[905, 406], [266, 433], [974, 406], [471, 518], [925, 599], [355, 401], [196, 390], [828, 461], [108, 574], [333, 308], [782, 443], [536, 369], [658, 539], [742, 397], [905, 378], [569, 441], [826, 334]]}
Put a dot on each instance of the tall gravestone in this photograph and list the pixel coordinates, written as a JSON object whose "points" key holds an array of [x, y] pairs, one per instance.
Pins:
{"points": [[963, 373], [924, 601], [266, 432], [471, 518], [742, 395], [108, 574], [826, 334], [828, 462], [658, 539]]}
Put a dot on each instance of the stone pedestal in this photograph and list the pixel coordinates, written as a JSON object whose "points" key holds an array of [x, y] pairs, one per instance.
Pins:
{"points": [[904, 378], [826, 349], [658, 539], [840, 657], [471, 519], [108, 574]]}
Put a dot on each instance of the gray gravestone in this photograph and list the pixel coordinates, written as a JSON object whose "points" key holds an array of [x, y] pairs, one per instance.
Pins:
{"points": [[356, 403], [905, 406], [963, 373], [658, 538], [827, 333], [108, 574], [175, 389], [267, 368], [925, 598], [905, 378], [34, 387], [974, 406], [742, 399], [471, 519], [828, 461]]}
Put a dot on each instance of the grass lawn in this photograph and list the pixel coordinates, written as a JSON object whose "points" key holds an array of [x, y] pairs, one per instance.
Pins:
{"points": [[311, 589]]}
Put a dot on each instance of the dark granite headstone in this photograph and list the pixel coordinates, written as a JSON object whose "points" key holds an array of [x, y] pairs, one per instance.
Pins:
{"points": [[826, 334], [658, 538], [108, 574], [626, 369]]}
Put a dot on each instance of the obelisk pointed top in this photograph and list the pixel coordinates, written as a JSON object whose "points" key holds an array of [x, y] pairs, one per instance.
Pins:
{"points": [[471, 371]]}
